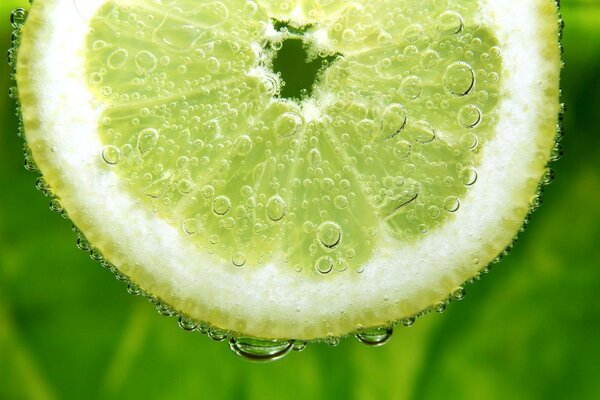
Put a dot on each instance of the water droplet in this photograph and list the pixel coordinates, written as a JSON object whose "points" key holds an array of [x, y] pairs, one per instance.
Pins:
{"points": [[468, 176], [375, 336], [299, 345], [439, 307], [459, 293], [221, 205], [18, 17], [459, 78], [111, 155], [238, 260], [450, 23], [329, 234], [324, 265], [393, 120], [147, 140], [332, 340], [261, 350], [548, 177], [469, 116], [408, 322], [218, 335], [288, 124], [276, 208], [56, 205], [402, 149], [451, 204], [188, 324], [422, 132]]}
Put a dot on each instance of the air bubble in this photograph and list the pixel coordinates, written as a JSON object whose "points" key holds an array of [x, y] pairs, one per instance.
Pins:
{"points": [[450, 23], [375, 336], [288, 124], [430, 58], [469, 116], [423, 132], [145, 61], [329, 234], [221, 205], [243, 145], [117, 59], [207, 191], [18, 18], [468, 176], [324, 265], [412, 87], [111, 155], [238, 260], [261, 350], [459, 293], [412, 33], [459, 78], [451, 204], [402, 149], [276, 208], [340, 202], [147, 140], [393, 120]]}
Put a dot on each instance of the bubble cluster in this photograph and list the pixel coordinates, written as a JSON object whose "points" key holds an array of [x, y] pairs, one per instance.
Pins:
{"points": [[384, 144]]}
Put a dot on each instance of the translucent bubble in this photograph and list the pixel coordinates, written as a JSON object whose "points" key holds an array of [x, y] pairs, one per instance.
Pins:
{"points": [[329, 234], [190, 226], [207, 191], [402, 149], [469, 141], [429, 59], [439, 307], [261, 350], [145, 61], [468, 176], [348, 35], [412, 87], [221, 205], [412, 33], [243, 145], [451, 204], [459, 78], [393, 120], [238, 259], [423, 132], [147, 139], [324, 265], [340, 202], [111, 155], [459, 293], [450, 23], [469, 116], [374, 336], [288, 124], [117, 59], [276, 208]]}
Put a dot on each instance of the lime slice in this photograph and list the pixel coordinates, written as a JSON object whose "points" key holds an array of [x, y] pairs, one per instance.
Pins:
{"points": [[293, 169]]}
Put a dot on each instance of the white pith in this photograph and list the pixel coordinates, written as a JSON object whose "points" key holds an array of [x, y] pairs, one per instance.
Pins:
{"points": [[271, 300]]}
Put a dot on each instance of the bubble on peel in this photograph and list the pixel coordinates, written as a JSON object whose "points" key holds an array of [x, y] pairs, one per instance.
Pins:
{"points": [[412, 86], [423, 132], [439, 307], [459, 293], [393, 120], [190, 226], [469, 116], [430, 58], [261, 350], [145, 61], [324, 265], [451, 204], [329, 234], [207, 191], [147, 139], [412, 33], [450, 23], [111, 155], [221, 205], [276, 208], [288, 124], [469, 141], [459, 78], [340, 202]]}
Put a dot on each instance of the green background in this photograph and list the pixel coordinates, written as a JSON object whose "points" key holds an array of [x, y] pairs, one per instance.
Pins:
{"points": [[529, 330]]}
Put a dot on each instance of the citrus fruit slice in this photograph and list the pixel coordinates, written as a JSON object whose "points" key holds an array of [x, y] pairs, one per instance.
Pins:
{"points": [[293, 169]]}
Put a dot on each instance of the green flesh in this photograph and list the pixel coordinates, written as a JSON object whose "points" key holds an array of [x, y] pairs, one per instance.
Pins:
{"points": [[406, 103]]}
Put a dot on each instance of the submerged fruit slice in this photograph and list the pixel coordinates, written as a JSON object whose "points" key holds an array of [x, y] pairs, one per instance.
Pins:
{"points": [[293, 169]]}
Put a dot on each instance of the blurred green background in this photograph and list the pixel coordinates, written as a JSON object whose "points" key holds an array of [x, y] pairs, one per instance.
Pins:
{"points": [[530, 330]]}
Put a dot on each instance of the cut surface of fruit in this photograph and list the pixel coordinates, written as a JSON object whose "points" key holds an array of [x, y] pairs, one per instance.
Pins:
{"points": [[293, 169]]}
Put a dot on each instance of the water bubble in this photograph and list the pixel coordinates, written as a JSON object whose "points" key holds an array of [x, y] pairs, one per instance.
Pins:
{"points": [[147, 139], [111, 155], [408, 322], [299, 345], [340, 202], [548, 177], [276, 208], [145, 61], [402, 149], [469, 116], [221, 205], [348, 35], [450, 23], [190, 226], [412, 33], [261, 350], [429, 59], [288, 124], [469, 141], [451, 204], [439, 307], [243, 145], [459, 293], [238, 260], [375, 336], [117, 59], [329, 234], [56, 205], [207, 191], [459, 78], [18, 17], [332, 340], [188, 324], [324, 265], [412, 87], [218, 335], [422, 132], [393, 120], [468, 176]]}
